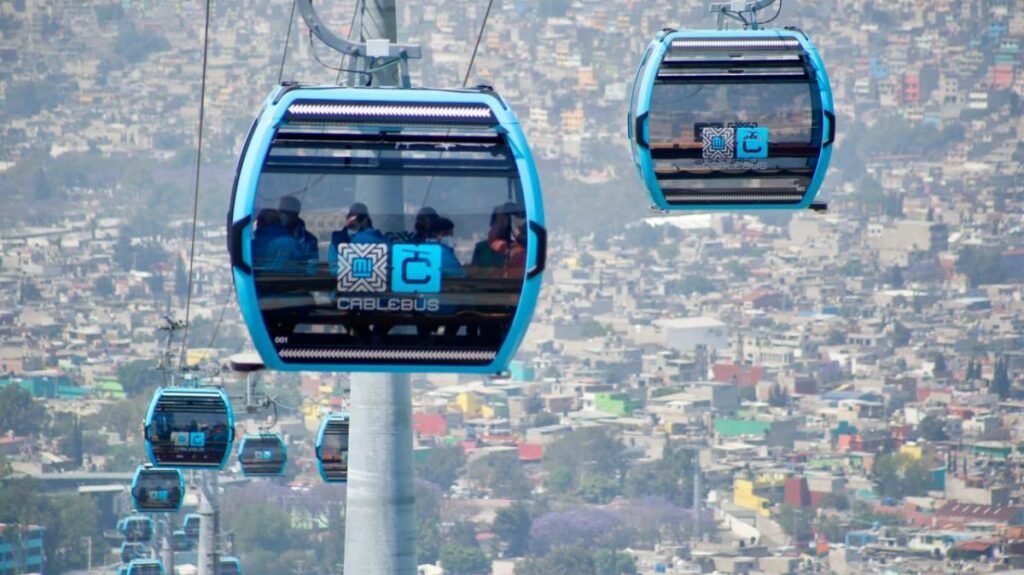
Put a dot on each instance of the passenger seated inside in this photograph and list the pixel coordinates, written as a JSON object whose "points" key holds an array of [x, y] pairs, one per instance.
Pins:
{"points": [[492, 252], [442, 232], [358, 230], [517, 245], [308, 250], [273, 249], [424, 225]]}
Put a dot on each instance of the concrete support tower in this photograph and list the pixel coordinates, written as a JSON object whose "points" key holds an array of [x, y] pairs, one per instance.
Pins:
{"points": [[380, 534]]}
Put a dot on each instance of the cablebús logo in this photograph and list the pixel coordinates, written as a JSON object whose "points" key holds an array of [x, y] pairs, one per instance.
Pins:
{"points": [[364, 269]]}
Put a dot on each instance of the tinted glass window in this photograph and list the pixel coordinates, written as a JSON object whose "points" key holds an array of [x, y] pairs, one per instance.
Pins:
{"points": [[189, 432], [388, 246], [156, 491], [750, 124], [262, 455]]}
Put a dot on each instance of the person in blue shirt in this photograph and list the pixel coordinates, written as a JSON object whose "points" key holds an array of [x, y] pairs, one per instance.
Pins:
{"points": [[273, 248], [309, 251], [358, 230], [443, 232]]}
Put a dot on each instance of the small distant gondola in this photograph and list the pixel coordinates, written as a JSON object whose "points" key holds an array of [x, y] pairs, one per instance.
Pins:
{"points": [[131, 551], [262, 455], [332, 448], [157, 490], [190, 428], [230, 566], [145, 567], [732, 119], [136, 529]]}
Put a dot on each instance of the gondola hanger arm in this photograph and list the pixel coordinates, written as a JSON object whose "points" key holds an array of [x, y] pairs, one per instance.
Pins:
{"points": [[346, 46]]}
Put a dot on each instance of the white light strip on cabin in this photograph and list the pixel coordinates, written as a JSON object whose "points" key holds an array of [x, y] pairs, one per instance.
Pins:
{"points": [[699, 43], [683, 197], [384, 355], [391, 110]]}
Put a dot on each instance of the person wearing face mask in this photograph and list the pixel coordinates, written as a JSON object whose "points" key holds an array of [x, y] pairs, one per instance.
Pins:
{"points": [[442, 232], [309, 252], [517, 244], [358, 230]]}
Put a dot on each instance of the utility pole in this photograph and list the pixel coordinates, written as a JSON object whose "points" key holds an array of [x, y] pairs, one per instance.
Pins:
{"points": [[167, 546], [380, 498], [208, 559]]}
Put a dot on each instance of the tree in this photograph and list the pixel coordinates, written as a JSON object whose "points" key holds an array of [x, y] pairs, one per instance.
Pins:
{"points": [[20, 413], [443, 466], [574, 560], [831, 528], [463, 560], [1000, 379], [899, 475], [585, 527], [796, 522], [263, 526], [582, 452], [981, 265], [695, 283], [940, 367], [778, 396], [835, 501], [512, 526], [104, 286], [900, 334], [5, 466], [671, 477], [139, 377], [598, 488], [126, 417], [577, 560], [592, 328], [611, 562], [932, 429], [502, 474]]}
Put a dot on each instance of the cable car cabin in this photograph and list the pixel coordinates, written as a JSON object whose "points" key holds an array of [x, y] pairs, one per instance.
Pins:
{"points": [[156, 490], [180, 541], [386, 230], [130, 551], [732, 120], [229, 566], [190, 525], [145, 567], [190, 428], [332, 448], [262, 455], [136, 529]]}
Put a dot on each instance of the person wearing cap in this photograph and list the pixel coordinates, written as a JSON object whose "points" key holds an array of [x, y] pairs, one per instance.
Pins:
{"points": [[358, 230], [289, 208]]}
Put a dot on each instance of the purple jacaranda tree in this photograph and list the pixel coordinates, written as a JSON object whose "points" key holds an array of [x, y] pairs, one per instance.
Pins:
{"points": [[586, 526]]}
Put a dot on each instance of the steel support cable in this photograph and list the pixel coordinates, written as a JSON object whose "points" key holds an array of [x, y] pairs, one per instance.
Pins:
{"points": [[198, 171], [287, 42], [465, 81]]}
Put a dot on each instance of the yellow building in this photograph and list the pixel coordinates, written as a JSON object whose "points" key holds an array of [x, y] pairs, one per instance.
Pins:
{"points": [[914, 451], [468, 403], [757, 492]]}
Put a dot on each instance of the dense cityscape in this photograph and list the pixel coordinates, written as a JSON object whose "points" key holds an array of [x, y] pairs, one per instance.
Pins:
{"points": [[717, 392]]}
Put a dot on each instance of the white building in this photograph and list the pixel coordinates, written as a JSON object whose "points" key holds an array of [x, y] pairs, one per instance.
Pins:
{"points": [[685, 334]]}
